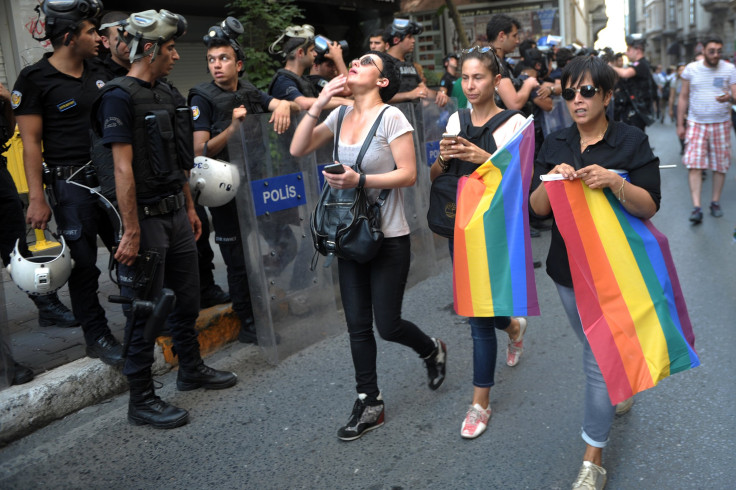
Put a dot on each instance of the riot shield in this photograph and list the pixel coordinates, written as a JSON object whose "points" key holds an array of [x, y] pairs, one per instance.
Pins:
{"points": [[557, 118], [293, 306]]}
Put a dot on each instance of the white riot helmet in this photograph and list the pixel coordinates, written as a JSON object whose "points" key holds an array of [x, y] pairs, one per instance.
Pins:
{"points": [[38, 276], [213, 182]]}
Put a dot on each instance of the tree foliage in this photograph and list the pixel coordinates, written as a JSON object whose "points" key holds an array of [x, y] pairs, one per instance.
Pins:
{"points": [[263, 22]]}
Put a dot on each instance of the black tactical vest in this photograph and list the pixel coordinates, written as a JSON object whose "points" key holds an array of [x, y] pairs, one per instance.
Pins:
{"points": [[156, 161], [410, 78], [305, 86]]}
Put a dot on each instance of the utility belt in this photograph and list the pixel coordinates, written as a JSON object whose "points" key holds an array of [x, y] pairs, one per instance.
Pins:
{"points": [[166, 205], [61, 172]]}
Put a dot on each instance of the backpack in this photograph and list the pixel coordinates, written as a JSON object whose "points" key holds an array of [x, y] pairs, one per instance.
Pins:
{"points": [[343, 223], [443, 193]]}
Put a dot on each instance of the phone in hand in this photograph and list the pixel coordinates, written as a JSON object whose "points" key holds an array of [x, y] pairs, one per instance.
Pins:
{"points": [[334, 168], [449, 136]]}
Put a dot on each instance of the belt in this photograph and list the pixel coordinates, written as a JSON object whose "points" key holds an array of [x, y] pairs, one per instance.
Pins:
{"points": [[167, 205], [63, 172]]}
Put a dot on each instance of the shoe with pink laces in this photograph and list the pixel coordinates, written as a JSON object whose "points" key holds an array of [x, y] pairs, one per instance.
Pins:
{"points": [[516, 347], [476, 421]]}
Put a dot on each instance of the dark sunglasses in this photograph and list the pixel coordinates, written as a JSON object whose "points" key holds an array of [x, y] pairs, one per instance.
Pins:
{"points": [[367, 60], [487, 50], [587, 91]]}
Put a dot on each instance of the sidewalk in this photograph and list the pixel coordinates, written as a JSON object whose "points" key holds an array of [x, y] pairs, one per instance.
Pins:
{"points": [[57, 355]]}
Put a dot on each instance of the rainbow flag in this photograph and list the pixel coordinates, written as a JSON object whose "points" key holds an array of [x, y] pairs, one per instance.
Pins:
{"points": [[493, 272], [628, 294]]}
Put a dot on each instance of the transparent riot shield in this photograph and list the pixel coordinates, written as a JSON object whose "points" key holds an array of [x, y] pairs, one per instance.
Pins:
{"points": [[557, 118], [6, 361], [293, 306]]}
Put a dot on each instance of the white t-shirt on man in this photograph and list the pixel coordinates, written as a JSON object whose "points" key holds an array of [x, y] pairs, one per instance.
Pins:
{"points": [[706, 84]]}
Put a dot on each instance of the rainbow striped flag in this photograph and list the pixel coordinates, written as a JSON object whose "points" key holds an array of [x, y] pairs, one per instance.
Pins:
{"points": [[493, 271], [628, 294]]}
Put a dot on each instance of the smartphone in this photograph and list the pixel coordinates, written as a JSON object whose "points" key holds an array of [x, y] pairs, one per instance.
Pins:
{"points": [[449, 136], [334, 168]]}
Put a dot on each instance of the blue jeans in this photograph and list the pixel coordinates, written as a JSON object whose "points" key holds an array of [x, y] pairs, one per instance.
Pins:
{"points": [[485, 346], [598, 410], [376, 289]]}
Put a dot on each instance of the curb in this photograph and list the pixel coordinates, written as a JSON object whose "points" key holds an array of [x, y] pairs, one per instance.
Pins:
{"points": [[84, 382]]}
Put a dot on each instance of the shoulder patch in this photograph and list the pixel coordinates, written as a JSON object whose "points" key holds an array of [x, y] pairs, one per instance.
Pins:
{"points": [[100, 83], [195, 112], [15, 98]]}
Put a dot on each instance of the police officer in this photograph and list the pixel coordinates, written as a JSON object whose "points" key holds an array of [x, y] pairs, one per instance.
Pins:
{"points": [[219, 106], [401, 41], [289, 82], [52, 100], [116, 62], [138, 118], [634, 92], [328, 63]]}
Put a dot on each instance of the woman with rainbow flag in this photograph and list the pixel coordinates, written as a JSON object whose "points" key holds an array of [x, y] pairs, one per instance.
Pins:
{"points": [[587, 150], [479, 132]]}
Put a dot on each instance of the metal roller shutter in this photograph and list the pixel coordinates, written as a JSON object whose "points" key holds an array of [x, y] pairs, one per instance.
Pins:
{"points": [[191, 69]]}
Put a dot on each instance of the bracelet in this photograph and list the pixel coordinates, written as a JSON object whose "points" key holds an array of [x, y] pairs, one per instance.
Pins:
{"points": [[443, 164], [361, 181], [621, 193], [312, 115]]}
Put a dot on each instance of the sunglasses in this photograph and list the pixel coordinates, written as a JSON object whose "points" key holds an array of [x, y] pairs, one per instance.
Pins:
{"points": [[367, 60], [488, 50], [587, 91]]}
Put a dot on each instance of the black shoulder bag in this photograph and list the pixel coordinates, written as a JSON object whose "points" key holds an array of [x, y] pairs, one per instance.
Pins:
{"points": [[443, 193], [343, 224]]}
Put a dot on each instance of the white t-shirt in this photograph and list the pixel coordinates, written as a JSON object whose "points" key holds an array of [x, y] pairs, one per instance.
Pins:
{"points": [[501, 135], [705, 85], [378, 160]]}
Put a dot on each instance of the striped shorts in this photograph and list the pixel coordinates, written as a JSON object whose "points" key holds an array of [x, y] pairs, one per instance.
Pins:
{"points": [[708, 146]]}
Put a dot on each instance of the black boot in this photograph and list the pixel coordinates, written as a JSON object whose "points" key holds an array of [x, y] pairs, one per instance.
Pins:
{"points": [[203, 376], [52, 312], [108, 350], [22, 374], [247, 334], [145, 408], [213, 295]]}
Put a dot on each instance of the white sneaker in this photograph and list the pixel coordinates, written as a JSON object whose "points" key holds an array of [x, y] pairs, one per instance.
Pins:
{"points": [[476, 421], [516, 347], [590, 477], [624, 406]]}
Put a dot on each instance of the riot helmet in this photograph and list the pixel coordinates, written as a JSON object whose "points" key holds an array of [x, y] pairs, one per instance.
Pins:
{"points": [[403, 27], [151, 26], [213, 182], [293, 38], [41, 275]]}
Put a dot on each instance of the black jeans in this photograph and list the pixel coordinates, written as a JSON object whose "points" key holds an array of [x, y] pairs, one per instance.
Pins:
{"points": [[171, 236], [376, 289]]}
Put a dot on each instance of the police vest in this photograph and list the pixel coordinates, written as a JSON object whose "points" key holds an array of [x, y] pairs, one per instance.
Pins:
{"points": [[160, 136], [305, 87], [410, 78]]}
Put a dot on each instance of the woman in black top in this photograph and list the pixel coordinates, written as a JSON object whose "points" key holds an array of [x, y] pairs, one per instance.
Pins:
{"points": [[586, 150]]}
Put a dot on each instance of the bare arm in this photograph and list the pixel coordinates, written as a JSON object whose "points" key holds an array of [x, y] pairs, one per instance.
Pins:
{"points": [[511, 98], [627, 72], [217, 144], [129, 245], [191, 212], [281, 114], [306, 102], [682, 103], [31, 131], [307, 137]]}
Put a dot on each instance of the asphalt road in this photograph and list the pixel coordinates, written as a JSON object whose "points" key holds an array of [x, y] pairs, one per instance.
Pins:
{"points": [[276, 428]]}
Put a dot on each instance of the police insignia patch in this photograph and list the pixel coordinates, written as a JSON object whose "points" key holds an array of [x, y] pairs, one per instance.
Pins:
{"points": [[15, 98], [66, 105], [100, 83], [195, 112]]}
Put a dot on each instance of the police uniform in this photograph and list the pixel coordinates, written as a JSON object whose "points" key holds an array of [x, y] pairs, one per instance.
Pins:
{"points": [[64, 102], [128, 111], [634, 95], [410, 78], [212, 108], [317, 81], [286, 85]]}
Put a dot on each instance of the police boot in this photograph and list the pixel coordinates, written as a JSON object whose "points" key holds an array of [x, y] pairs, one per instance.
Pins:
{"points": [[21, 375], [200, 375], [145, 408], [247, 334], [52, 312]]}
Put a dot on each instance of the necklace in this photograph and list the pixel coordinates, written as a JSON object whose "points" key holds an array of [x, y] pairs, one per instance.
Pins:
{"points": [[587, 141]]}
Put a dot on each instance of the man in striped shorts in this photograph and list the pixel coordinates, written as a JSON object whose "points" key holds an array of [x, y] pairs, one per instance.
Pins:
{"points": [[708, 90]]}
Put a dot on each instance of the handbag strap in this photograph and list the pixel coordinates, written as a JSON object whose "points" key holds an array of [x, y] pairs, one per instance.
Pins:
{"points": [[363, 149]]}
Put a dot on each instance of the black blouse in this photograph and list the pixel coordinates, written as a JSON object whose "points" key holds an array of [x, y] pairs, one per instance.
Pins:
{"points": [[623, 147]]}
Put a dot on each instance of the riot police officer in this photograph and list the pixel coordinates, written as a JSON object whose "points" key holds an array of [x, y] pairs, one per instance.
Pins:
{"points": [[633, 94], [152, 151], [52, 100], [219, 106]]}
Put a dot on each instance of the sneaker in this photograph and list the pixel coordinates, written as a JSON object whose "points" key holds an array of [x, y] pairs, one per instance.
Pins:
{"points": [[213, 295], [591, 477], [367, 415], [435, 364], [476, 421], [715, 209], [624, 407], [696, 216], [516, 347]]}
